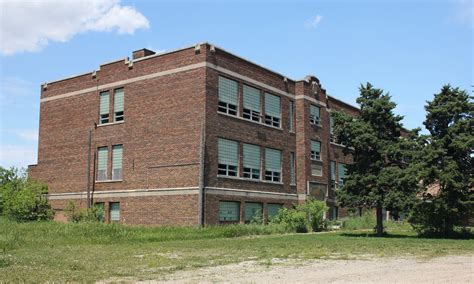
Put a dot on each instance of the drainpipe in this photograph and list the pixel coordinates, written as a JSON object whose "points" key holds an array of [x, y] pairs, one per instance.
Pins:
{"points": [[89, 170]]}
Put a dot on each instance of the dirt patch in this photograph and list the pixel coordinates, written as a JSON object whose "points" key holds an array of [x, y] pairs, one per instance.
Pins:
{"points": [[449, 269]]}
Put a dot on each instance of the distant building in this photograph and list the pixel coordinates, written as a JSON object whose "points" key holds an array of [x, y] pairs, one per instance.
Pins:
{"points": [[195, 135]]}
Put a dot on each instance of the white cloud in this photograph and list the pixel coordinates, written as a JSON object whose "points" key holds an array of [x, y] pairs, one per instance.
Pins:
{"points": [[31, 25], [18, 156], [313, 23]]}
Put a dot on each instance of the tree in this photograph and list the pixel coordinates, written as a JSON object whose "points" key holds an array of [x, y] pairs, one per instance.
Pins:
{"points": [[381, 175], [447, 163], [23, 199]]}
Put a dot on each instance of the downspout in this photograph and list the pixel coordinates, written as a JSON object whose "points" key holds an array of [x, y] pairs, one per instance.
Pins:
{"points": [[201, 174]]}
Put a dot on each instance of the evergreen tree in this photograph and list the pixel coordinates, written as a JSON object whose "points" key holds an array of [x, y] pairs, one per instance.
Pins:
{"points": [[381, 175], [447, 163]]}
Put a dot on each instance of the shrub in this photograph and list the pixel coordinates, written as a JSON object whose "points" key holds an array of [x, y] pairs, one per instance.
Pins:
{"points": [[315, 211], [93, 214], [26, 201], [294, 220], [366, 221]]}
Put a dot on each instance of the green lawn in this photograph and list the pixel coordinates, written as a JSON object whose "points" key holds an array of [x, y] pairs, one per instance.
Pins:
{"points": [[39, 252]]}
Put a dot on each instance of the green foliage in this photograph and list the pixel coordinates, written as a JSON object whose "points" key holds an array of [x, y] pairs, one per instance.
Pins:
{"points": [[366, 221], [315, 211], [292, 219], [447, 162], [257, 218], [382, 174], [303, 218], [93, 214], [23, 199]]}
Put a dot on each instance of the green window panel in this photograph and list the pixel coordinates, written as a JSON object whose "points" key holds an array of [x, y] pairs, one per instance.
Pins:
{"points": [[251, 98], [114, 211], [272, 105], [272, 160], [228, 152], [273, 209], [253, 210], [314, 111], [251, 156], [118, 100], [229, 211], [228, 90], [102, 158], [333, 170], [315, 146], [342, 172], [117, 152], [104, 102]]}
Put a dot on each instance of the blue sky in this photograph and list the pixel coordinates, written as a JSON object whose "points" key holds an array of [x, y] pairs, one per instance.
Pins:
{"points": [[409, 48]]}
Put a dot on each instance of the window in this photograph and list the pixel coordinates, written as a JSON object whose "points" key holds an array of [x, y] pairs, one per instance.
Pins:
{"points": [[228, 157], [102, 160], [228, 90], [333, 175], [104, 105], [292, 116], [118, 104], [316, 170], [314, 115], [229, 211], [114, 211], [333, 213], [272, 165], [251, 103], [292, 168], [251, 161], [273, 209], [342, 173], [117, 152], [317, 190], [253, 212], [315, 150], [272, 110]]}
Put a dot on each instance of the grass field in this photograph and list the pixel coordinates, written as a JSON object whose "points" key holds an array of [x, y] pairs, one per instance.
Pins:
{"points": [[40, 252]]}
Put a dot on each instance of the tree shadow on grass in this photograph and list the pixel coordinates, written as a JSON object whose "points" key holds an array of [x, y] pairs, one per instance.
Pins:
{"points": [[455, 236]]}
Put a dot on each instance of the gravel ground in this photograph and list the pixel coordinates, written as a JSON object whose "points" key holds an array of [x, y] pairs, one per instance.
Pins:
{"points": [[448, 269]]}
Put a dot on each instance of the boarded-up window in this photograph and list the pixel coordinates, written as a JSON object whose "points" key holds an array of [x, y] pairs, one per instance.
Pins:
{"points": [[228, 157], [317, 190], [253, 211], [315, 150], [272, 165], [117, 153], [252, 104], [273, 209], [251, 161], [118, 104], [228, 94], [229, 211], [316, 170], [104, 105], [114, 211], [102, 159], [272, 110]]}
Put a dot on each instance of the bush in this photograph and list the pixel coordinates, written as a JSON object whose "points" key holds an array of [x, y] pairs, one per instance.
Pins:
{"points": [[366, 221], [93, 214], [436, 218], [304, 217], [292, 219], [315, 211], [26, 201]]}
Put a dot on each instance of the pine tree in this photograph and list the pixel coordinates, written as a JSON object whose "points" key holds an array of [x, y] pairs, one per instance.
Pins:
{"points": [[381, 175], [447, 163]]}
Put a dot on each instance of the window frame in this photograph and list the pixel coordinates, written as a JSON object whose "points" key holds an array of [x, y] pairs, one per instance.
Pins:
{"points": [[270, 119], [227, 169], [271, 175], [104, 118], [226, 107], [120, 175], [102, 174], [315, 120], [315, 155]]}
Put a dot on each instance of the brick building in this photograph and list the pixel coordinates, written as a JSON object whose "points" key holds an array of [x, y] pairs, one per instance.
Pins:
{"points": [[195, 135]]}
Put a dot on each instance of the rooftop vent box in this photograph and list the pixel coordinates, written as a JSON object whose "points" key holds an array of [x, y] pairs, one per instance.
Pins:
{"points": [[142, 53]]}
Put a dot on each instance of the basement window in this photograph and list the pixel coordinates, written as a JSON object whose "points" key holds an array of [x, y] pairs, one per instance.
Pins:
{"points": [[229, 212], [114, 211], [253, 212]]}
